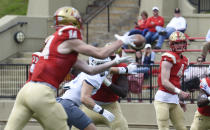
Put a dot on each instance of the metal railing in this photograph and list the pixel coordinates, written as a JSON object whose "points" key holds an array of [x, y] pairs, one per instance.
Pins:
{"points": [[89, 18], [14, 76], [14, 25], [201, 5]]}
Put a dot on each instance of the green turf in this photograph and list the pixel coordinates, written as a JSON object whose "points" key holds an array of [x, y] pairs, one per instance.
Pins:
{"points": [[13, 7]]}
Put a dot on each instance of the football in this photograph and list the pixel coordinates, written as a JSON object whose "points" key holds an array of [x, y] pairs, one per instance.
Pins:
{"points": [[140, 42]]}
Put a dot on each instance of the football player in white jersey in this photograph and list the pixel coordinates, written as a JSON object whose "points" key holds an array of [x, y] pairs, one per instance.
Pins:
{"points": [[80, 91]]}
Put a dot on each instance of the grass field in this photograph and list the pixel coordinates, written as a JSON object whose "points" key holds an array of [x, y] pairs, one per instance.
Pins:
{"points": [[13, 7]]}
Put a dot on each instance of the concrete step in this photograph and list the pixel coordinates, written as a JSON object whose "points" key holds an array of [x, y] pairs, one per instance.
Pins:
{"points": [[21, 60], [125, 3], [25, 54]]}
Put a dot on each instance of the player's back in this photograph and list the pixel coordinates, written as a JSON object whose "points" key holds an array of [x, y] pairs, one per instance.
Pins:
{"points": [[74, 93], [53, 66]]}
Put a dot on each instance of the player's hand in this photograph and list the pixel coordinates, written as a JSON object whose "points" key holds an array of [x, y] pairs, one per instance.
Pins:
{"points": [[127, 40], [132, 68], [183, 106], [124, 59], [184, 95], [108, 115]]}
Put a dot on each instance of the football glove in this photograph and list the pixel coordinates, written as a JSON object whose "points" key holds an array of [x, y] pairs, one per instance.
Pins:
{"points": [[127, 40]]}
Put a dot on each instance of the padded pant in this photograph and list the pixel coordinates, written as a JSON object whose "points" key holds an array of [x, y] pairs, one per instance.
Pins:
{"points": [[37, 100], [166, 111]]}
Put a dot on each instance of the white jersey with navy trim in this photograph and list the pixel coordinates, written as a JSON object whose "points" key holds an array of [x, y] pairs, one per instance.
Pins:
{"points": [[74, 93]]}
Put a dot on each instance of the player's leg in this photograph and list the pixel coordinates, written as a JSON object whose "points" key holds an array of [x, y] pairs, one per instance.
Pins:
{"points": [[199, 123], [162, 115], [42, 102], [177, 117], [20, 114], [76, 117], [120, 123]]}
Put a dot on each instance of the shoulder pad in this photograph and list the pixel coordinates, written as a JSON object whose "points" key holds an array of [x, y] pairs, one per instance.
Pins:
{"points": [[171, 56]]}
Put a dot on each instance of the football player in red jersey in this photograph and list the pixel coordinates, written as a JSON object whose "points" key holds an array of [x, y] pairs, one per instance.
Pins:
{"points": [[202, 115], [172, 67], [57, 58], [107, 96]]}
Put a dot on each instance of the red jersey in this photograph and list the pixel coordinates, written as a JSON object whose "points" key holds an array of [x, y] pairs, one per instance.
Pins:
{"points": [[141, 24], [180, 63], [35, 59], [105, 94], [53, 66], [158, 21], [206, 109]]}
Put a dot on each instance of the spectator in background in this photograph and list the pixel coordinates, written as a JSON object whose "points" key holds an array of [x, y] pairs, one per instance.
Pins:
{"points": [[148, 57], [206, 47], [177, 23], [151, 23], [141, 27], [135, 81], [200, 70]]}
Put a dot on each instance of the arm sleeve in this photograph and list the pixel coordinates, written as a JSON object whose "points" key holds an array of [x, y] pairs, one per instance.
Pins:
{"points": [[168, 57]]}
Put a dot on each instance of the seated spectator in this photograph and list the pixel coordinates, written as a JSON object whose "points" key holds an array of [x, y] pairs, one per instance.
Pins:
{"points": [[148, 58], [151, 23], [141, 27], [206, 47], [199, 70], [177, 23]]}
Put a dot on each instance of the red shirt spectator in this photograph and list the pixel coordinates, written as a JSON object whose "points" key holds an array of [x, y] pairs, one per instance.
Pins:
{"points": [[141, 25], [155, 20]]}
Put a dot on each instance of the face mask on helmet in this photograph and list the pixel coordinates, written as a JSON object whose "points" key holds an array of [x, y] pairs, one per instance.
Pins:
{"points": [[178, 42], [117, 52], [67, 16], [95, 61]]}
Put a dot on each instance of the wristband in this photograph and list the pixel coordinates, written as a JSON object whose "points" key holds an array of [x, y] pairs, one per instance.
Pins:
{"points": [[177, 91], [98, 109], [209, 98], [122, 70], [107, 82]]}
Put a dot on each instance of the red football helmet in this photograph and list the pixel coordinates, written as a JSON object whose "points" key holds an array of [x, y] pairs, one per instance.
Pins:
{"points": [[68, 16], [178, 42]]}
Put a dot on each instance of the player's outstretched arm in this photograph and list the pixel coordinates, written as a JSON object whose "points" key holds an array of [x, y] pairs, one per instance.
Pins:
{"points": [[83, 66], [89, 50]]}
